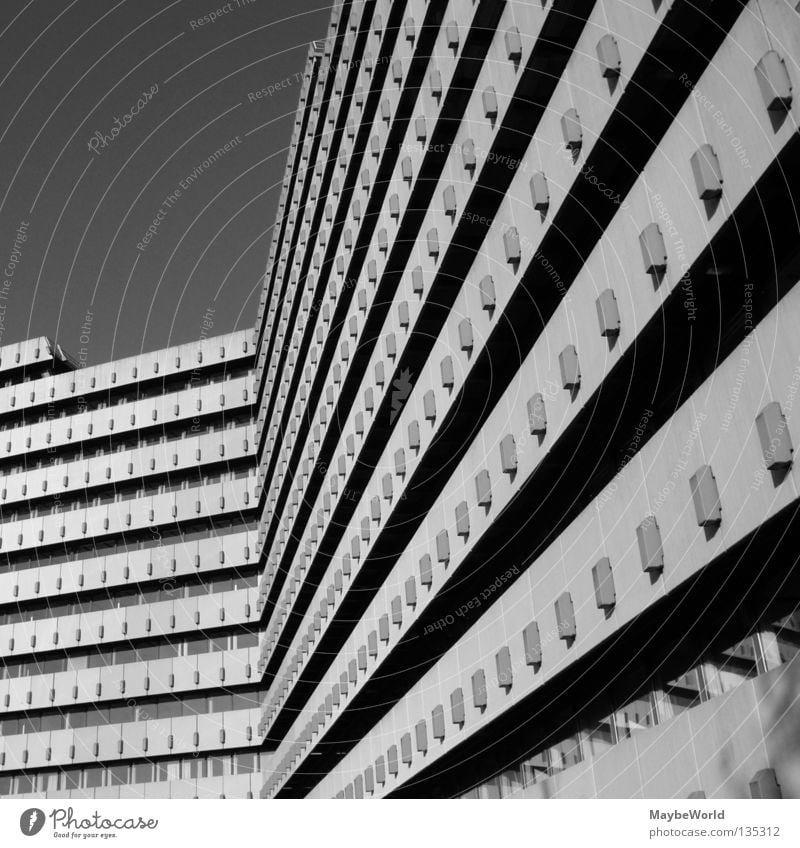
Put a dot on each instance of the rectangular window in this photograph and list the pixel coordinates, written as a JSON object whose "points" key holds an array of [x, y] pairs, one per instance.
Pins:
{"points": [[565, 753], [684, 692], [782, 640], [117, 775], [638, 714], [93, 777], [728, 668], [599, 736], [534, 769], [142, 772], [244, 764]]}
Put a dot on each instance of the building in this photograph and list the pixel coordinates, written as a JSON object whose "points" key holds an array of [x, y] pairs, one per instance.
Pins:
{"points": [[128, 629], [526, 364]]}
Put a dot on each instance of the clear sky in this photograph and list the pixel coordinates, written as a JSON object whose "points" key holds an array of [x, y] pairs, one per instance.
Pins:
{"points": [[142, 149]]}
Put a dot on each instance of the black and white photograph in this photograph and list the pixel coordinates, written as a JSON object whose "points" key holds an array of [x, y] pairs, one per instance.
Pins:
{"points": [[397, 402]]}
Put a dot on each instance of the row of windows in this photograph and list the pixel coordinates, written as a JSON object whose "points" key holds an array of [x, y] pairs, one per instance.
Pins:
{"points": [[172, 706], [705, 169], [125, 490], [121, 774], [104, 658], [586, 736], [153, 537], [159, 435], [111, 398], [130, 596]]}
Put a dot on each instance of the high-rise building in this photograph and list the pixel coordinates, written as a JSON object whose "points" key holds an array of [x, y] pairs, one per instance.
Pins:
{"points": [[128, 567], [526, 361]]}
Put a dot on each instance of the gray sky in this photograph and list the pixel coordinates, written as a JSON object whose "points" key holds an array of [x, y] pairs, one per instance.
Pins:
{"points": [[116, 117]]}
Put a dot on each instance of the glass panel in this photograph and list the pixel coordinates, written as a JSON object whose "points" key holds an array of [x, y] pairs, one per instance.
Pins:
{"points": [[53, 721], [24, 783], [534, 769], [491, 789], [787, 637], [71, 778], [512, 782], [169, 709], [220, 703], [142, 772], [684, 692], [637, 715], [195, 706], [599, 737], [726, 669], [565, 754], [117, 715], [93, 777], [244, 764], [117, 775], [247, 640]]}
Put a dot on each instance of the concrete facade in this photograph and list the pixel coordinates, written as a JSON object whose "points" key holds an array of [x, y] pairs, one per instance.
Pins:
{"points": [[526, 376], [128, 629]]}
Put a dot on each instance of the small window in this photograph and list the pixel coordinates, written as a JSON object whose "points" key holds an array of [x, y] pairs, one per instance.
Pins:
{"points": [[417, 283], [449, 201], [604, 593], [425, 570], [773, 434], [448, 372], [570, 368], [571, 130], [705, 495], [508, 454], [565, 616], [540, 192], [773, 80], [537, 415], [443, 547], [451, 35], [489, 99], [513, 45], [462, 519], [609, 57], [505, 672], [654, 251], [479, 698], [483, 488], [486, 288], [706, 172], [457, 710], [468, 155], [511, 244], [433, 242], [648, 537], [532, 644]]}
